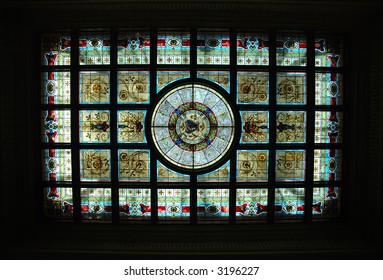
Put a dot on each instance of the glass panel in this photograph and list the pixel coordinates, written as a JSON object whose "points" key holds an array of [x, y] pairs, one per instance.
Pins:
{"points": [[291, 88], [213, 205], [57, 165], [133, 47], [94, 126], [134, 204], [133, 87], [328, 89], [55, 48], [134, 165], [328, 127], [252, 166], [58, 203], [96, 204], [291, 127], [165, 174], [94, 48], [94, 87], [253, 88], [327, 165], [326, 202], [289, 203], [213, 47], [255, 127], [131, 126], [291, 49], [192, 126], [290, 165], [251, 205], [165, 78], [95, 165], [221, 78], [252, 48], [55, 88], [328, 51], [56, 126], [173, 205], [173, 47], [221, 174]]}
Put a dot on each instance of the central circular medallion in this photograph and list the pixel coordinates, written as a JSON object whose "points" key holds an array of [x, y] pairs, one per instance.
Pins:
{"points": [[192, 126]]}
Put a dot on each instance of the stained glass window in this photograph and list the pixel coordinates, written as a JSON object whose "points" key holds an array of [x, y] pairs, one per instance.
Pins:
{"points": [[191, 125]]}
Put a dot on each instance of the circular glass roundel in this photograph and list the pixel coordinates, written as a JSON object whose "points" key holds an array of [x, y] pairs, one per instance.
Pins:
{"points": [[192, 126]]}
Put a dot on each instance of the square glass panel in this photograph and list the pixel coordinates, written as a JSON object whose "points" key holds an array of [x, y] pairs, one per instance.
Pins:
{"points": [[252, 48], [213, 205], [327, 165], [289, 203], [173, 205], [57, 165], [94, 48], [94, 87], [253, 88], [131, 126], [58, 203], [173, 47], [55, 48], [255, 127], [134, 165], [94, 126], [251, 205], [96, 204], [328, 127], [55, 88], [252, 165], [133, 47], [290, 165], [133, 87], [56, 126], [134, 205], [213, 47], [291, 49], [95, 165], [291, 127]]}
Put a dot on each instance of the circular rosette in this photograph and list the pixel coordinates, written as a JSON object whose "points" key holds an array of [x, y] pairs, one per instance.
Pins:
{"points": [[192, 126]]}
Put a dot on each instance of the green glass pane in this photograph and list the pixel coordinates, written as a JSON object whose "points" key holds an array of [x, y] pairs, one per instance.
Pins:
{"points": [[291, 88], [213, 47], [133, 47], [328, 127], [328, 89], [289, 203], [290, 165], [134, 165], [94, 126], [57, 165], [165, 174], [96, 204], [94, 48], [131, 126], [221, 174], [56, 126], [213, 205], [291, 127], [253, 88], [167, 77], [221, 78], [173, 47], [95, 165], [55, 88], [173, 205], [251, 205], [252, 165], [94, 87], [254, 127], [252, 48], [134, 205], [327, 165], [133, 87], [291, 49]]}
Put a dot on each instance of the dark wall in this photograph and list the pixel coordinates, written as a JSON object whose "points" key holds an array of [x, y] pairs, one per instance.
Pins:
{"points": [[19, 89]]}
